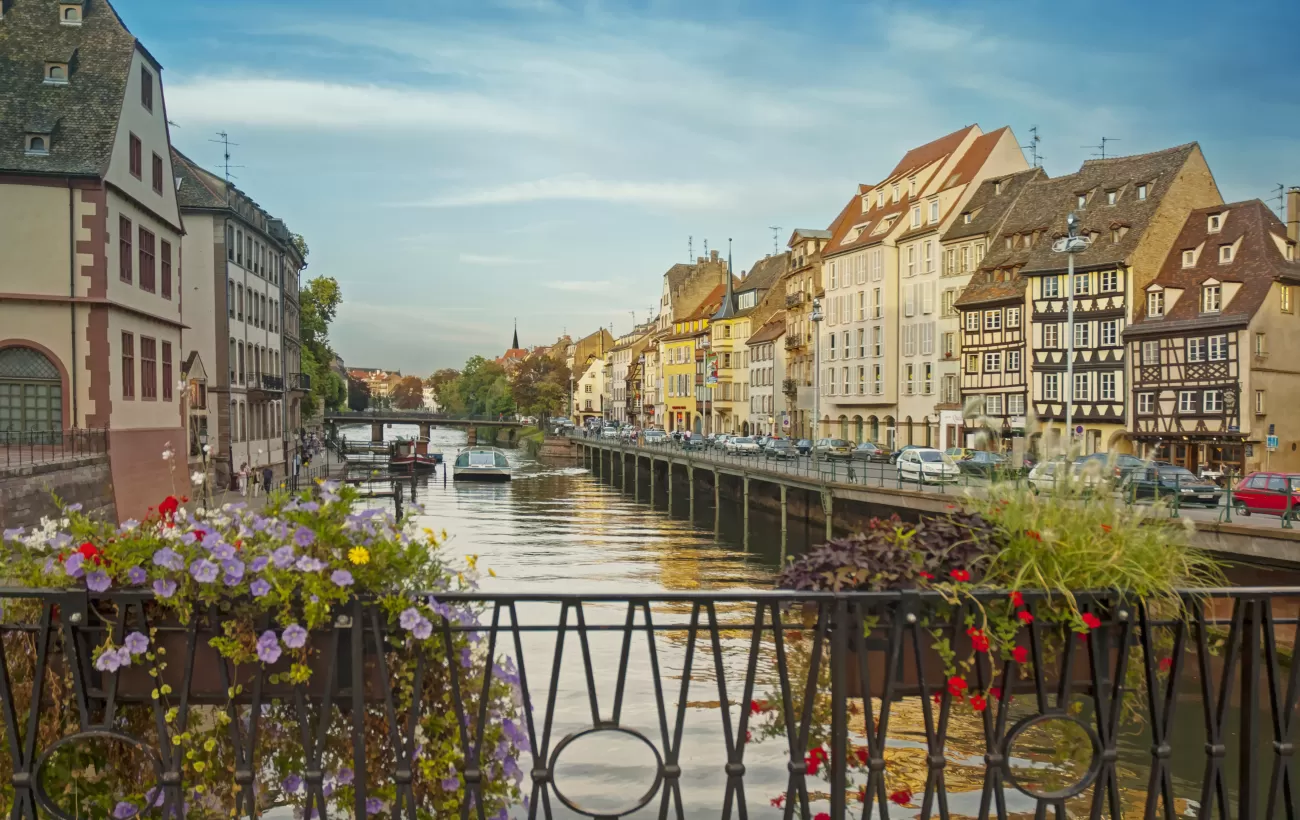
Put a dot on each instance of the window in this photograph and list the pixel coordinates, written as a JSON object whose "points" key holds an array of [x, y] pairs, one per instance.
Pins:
{"points": [[167, 371], [1284, 296], [972, 363], [1051, 286], [965, 259], [1259, 402], [124, 249], [911, 260], [1156, 303], [37, 145], [1082, 201], [1110, 333], [1187, 401], [1212, 401], [1106, 386], [993, 404], [862, 343], [166, 270], [1195, 350], [831, 354], [1013, 361], [1214, 223], [1109, 281], [157, 174], [1016, 404], [1225, 254], [927, 338], [950, 263], [992, 362], [239, 247], [1082, 387], [934, 211], [973, 321], [1261, 349], [239, 302], [230, 243], [232, 360], [979, 252], [1151, 352], [146, 88], [1218, 348], [1189, 258], [1051, 335], [1052, 386], [71, 15], [56, 73], [949, 344], [876, 303], [1142, 191], [1146, 403], [128, 366], [1082, 284], [877, 381], [1013, 317], [230, 297], [929, 257], [1211, 298], [1111, 196], [909, 383], [147, 282], [916, 216], [136, 161], [877, 341], [927, 379], [949, 296], [862, 305], [1081, 335], [909, 300], [992, 320]]}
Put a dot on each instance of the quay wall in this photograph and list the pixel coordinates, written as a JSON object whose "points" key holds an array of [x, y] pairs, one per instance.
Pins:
{"points": [[27, 492]]}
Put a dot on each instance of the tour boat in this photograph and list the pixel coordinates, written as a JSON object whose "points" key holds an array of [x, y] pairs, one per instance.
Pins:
{"points": [[481, 464], [409, 454]]}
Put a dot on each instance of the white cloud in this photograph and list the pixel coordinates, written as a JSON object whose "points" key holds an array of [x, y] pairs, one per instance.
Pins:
{"points": [[580, 187], [481, 259], [578, 286], [308, 104]]}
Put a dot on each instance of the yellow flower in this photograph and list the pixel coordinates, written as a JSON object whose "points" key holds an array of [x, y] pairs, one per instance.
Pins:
{"points": [[359, 555]]}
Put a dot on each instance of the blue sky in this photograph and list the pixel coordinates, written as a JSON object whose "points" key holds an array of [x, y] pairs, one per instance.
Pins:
{"points": [[457, 164]]}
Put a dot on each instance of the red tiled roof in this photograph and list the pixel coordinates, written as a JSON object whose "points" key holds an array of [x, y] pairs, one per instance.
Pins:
{"points": [[933, 151]]}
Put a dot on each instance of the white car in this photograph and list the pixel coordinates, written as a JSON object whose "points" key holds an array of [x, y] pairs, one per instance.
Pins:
{"points": [[609, 432], [923, 464], [653, 437], [1050, 475], [742, 445]]}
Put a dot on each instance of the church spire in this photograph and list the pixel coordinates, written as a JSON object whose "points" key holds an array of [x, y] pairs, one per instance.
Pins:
{"points": [[515, 346]]}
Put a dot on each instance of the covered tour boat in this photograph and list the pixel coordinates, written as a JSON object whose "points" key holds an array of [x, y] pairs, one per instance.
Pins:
{"points": [[414, 454], [481, 464]]}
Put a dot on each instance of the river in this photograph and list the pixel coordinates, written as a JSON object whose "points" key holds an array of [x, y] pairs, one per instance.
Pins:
{"points": [[562, 530]]}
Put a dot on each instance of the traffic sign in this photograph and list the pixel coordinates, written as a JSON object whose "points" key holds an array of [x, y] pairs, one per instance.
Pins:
{"points": [[785, 423], [1078, 430], [1272, 442]]}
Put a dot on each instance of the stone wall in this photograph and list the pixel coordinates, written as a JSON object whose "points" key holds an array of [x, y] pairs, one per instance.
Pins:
{"points": [[27, 493]]}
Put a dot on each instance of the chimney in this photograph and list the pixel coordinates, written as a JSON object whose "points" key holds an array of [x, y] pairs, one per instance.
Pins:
{"points": [[713, 256], [1293, 214], [699, 260]]}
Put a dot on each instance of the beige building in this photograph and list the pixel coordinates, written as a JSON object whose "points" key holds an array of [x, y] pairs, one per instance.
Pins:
{"points": [[241, 311], [802, 284], [685, 287], [90, 243], [746, 306], [766, 372]]}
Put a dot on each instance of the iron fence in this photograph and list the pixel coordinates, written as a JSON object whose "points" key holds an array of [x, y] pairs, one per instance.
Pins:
{"points": [[22, 447], [766, 703]]}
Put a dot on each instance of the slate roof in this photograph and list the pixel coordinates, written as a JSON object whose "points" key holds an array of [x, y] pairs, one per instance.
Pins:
{"points": [[988, 209], [1257, 263], [774, 329], [992, 286], [198, 188], [766, 272], [81, 116]]}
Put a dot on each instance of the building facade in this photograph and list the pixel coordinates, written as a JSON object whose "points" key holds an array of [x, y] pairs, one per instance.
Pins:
{"points": [[802, 284], [766, 375], [745, 306]]}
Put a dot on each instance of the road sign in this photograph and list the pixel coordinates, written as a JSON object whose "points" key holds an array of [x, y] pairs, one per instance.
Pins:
{"points": [[785, 423], [1272, 442], [1078, 430]]}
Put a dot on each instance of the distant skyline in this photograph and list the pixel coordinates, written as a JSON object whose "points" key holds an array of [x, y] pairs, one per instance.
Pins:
{"points": [[457, 164]]}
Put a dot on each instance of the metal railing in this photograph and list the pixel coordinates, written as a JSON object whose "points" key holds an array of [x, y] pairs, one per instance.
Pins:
{"points": [[796, 298], [300, 381], [810, 702], [18, 448], [275, 383]]}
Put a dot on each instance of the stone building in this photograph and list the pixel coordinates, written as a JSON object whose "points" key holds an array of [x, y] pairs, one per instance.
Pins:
{"points": [[685, 287], [803, 284], [90, 243]]}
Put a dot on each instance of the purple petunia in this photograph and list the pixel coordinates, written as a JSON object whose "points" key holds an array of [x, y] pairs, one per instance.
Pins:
{"points": [[136, 643], [123, 810], [204, 571], [294, 636], [309, 506], [268, 647], [153, 798], [303, 537], [451, 784], [283, 557], [423, 629], [345, 777], [111, 660], [13, 534], [72, 566], [341, 578], [223, 552], [57, 542], [168, 558], [409, 618], [164, 587], [98, 581], [259, 587], [259, 563], [374, 805], [309, 564], [291, 784], [233, 569], [135, 576]]}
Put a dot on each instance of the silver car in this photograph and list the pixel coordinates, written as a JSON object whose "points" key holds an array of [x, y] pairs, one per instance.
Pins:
{"points": [[742, 445]]}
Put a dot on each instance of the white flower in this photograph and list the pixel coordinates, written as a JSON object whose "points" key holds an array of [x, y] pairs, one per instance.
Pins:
{"points": [[207, 448], [167, 455], [197, 477]]}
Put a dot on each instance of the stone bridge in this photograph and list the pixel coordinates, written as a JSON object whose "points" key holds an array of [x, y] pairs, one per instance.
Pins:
{"points": [[425, 421]]}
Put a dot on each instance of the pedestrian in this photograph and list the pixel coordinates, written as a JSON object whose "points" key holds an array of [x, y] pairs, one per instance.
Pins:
{"points": [[255, 481], [297, 465], [243, 478], [267, 475]]}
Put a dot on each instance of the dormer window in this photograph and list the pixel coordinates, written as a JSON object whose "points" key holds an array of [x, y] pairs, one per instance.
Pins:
{"points": [[1114, 235], [911, 186], [997, 187], [934, 211], [1156, 303], [1189, 258], [1211, 298], [56, 73], [1082, 201], [38, 145], [895, 190], [965, 218], [70, 14], [880, 199], [1111, 197], [1225, 254], [1142, 191], [916, 216], [1215, 223]]}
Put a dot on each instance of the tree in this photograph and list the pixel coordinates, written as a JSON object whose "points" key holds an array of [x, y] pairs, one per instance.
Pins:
{"points": [[358, 395], [408, 394], [319, 300], [537, 382], [483, 388]]}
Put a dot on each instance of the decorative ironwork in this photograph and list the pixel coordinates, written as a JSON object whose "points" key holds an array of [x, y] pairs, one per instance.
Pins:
{"points": [[37, 446], [821, 675]]}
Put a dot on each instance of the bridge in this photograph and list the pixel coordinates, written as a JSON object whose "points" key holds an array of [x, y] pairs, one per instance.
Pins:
{"points": [[426, 421]]}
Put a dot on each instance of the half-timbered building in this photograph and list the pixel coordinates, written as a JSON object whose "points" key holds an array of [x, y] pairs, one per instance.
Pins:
{"points": [[1210, 377], [1131, 208]]}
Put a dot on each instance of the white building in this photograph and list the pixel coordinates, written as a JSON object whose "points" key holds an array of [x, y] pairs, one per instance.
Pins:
{"points": [[767, 411], [589, 391]]}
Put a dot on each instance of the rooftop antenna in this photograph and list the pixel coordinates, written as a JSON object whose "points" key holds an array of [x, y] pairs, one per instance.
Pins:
{"points": [[690, 249], [706, 248], [776, 230], [1036, 161], [1280, 197], [1101, 147]]}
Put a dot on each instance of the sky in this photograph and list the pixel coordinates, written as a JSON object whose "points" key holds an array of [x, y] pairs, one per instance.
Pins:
{"points": [[457, 165]]}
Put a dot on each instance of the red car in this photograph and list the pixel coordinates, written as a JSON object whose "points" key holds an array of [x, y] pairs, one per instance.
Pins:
{"points": [[1266, 493]]}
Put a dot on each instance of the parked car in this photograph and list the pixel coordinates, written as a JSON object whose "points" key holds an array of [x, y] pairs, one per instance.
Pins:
{"points": [[781, 448], [985, 464], [893, 457], [742, 446], [654, 437], [718, 440], [1047, 476], [833, 448], [804, 446], [1167, 482], [922, 464], [958, 453], [609, 432], [1114, 466], [1266, 493], [870, 451], [693, 441]]}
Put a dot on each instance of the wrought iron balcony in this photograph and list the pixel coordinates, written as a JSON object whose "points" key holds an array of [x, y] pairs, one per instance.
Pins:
{"points": [[796, 298], [300, 382], [794, 341]]}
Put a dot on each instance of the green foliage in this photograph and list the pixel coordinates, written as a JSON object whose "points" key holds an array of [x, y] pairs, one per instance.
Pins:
{"points": [[358, 395], [541, 385], [319, 300], [408, 394]]}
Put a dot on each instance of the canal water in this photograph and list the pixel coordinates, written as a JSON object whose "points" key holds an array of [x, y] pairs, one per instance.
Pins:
{"points": [[562, 530]]}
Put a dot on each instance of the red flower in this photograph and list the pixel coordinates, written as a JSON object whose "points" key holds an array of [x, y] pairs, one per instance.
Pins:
{"points": [[1105, 527], [749, 736], [1034, 535], [862, 794], [1017, 600], [961, 576], [1020, 654], [90, 553], [821, 815], [820, 754], [199, 535], [811, 764], [755, 707], [861, 754], [978, 703], [927, 576], [902, 797], [168, 506], [185, 499], [938, 698], [1025, 617], [995, 692], [978, 639], [1166, 664], [778, 801], [1091, 621], [956, 686]]}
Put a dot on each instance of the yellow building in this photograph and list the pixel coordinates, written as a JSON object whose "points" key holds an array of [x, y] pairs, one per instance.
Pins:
{"points": [[681, 357], [739, 315]]}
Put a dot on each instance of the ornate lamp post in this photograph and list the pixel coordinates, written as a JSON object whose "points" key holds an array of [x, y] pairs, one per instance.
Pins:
{"points": [[203, 450], [816, 318], [1070, 245]]}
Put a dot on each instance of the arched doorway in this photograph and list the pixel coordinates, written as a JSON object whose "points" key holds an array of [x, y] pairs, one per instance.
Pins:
{"points": [[31, 391], [844, 426], [926, 422], [744, 428], [857, 429], [698, 424], [891, 433], [907, 425], [875, 428]]}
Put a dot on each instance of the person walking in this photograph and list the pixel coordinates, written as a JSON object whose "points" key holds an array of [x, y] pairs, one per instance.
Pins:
{"points": [[267, 476], [297, 465], [243, 479]]}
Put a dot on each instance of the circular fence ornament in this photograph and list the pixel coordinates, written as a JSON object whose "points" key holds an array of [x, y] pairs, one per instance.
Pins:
{"points": [[109, 736], [1051, 757], [612, 747]]}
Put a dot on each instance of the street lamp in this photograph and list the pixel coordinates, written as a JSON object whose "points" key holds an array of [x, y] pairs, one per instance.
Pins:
{"points": [[203, 449], [817, 372], [1070, 245]]}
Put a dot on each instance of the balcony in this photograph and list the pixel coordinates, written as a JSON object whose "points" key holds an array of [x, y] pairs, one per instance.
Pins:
{"points": [[300, 382], [795, 341], [272, 383], [790, 387], [796, 298]]}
